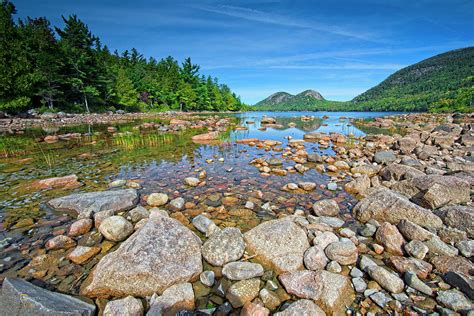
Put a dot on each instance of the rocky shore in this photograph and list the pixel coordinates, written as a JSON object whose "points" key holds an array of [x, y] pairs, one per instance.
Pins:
{"points": [[405, 248]]}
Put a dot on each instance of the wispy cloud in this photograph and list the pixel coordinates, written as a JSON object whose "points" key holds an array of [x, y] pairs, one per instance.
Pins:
{"points": [[345, 66], [276, 19]]}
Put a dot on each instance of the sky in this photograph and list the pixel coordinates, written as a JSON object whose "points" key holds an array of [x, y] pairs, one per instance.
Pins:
{"points": [[339, 48]]}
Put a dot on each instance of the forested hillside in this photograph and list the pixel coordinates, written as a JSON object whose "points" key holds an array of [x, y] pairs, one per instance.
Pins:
{"points": [[70, 69], [441, 83]]}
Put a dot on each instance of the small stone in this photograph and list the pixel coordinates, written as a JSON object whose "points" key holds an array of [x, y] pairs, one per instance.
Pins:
{"points": [[346, 232], [156, 213], [207, 278], [129, 306], [60, 242], [368, 230], [332, 186], [269, 299], [157, 199], [324, 239], [192, 182], [175, 298], [204, 225], [359, 284], [389, 236], [403, 264], [242, 292], [177, 204], [116, 228], [249, 205], [416, 249], [386, 279], [81, 254], [80, 227], [344, 253], [307, 186], [224, 246], [138, 213], [315, 258], [455, 300], [242, 270], [380, 299], [334, 267], [356, 273], [439, 248], [326, 208], [466, 248], [250, 309], [378, 249]]}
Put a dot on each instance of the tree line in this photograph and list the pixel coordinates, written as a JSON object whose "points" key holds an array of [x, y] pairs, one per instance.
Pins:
{"points": [[69, 69]]}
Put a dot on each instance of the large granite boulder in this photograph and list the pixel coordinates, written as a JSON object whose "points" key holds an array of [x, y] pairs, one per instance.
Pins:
{"points": [[435, 191], [385, 205], [459, 217], [160, 254], [279, 244], [86, 204], [20, 297]]}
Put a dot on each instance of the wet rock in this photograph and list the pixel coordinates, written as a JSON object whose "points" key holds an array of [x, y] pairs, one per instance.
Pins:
{"points": [[279, 244], [177, 204], [116, 228], [461, 281], [402, 264], [384, 157], [269, 299], [315, 258], [307, 186], [205, 225], [324, 239], [389, 236], [242, 270], [207, 278], [460, 217], [65, 182], [192, 182], [343, 252], [303, 308], [412, 280], [326, 208], [388, 280], [385, 205], [332, 186], [174, 299], [86, 204], [60, 242], [455, 300], [206, 136], [157, 199], [416, 249], [162, 253], [129, 306], [82, 253], [224, 246], [20, 297], [242, 292], [314, 157], [274, 161]]}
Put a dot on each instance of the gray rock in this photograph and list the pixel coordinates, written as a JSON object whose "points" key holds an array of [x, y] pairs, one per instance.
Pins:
{"points": [[324, 239], [326, 208], [207, 278], [466, 247], [365, 263], [242, 292], [86, 204], [460, 217], [20, 297], [129, 306], [455, 300], [334, 222], [412, 231], [224, 246], [416, 249], [302, 308], [204, 225], [385, 205], [315, 157], [412, 280], [177, 203], [116, 228], [315, 258], [242, 270], [138, 213], [380, 299], [279, 244], [437, 247], [334, 267], [368, 230], [399, 172], [174, 299], [359, 285], [388, 280], [344, 253], [384, 157], [162, 253], [356, 273], [332, 186]]}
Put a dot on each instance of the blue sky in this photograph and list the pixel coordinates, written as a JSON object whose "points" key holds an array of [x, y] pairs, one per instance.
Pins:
{"points": [[340, 48]]}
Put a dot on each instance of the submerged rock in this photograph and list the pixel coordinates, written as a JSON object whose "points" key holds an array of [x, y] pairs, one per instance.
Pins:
{"points": [[86, 204], [20, 297], [279, 244], [162, 253]]}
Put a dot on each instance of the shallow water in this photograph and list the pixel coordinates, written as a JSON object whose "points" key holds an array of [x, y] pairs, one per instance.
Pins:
{"points": [[159, 161]]}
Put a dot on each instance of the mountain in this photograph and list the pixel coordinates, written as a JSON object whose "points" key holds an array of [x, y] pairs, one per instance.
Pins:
{"points": [[442, 82], [283, 101]]}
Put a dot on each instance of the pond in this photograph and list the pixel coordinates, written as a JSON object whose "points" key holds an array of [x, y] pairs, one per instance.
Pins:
{"points": [[158, 159]]}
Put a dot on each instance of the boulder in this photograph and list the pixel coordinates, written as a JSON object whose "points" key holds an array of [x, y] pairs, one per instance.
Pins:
{"points": [[384, 157], [20, 297], [280, 244], [385, 205], [160, 254], [86, 204], [224, 246], [80, 227], [457, 216], [444, 264]]}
